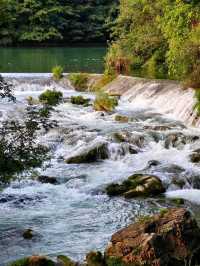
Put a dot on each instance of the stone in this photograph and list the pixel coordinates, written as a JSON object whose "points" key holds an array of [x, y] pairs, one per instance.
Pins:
{"points": [[121, 118], [28, 234], [195, 156], [47, 179], [170, 238], [135, 139], [137, 185], [65, 261], [34, 261], [95, 258], [92, 153]]}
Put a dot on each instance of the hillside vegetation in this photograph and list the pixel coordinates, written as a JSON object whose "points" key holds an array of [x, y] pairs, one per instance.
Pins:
{"points": [[157, 39], [55, 21]]}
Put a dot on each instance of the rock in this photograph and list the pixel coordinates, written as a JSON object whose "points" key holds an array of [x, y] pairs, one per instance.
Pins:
{"points": [[92, 153], [28, 234], [171, 238], [177, 139], [178, 182], [121, 118], [137, 185], [65, 261], [157, 127], [95, 259], [195, 156], [194, 181], [34, 261], [135, 139], [47, 179]]}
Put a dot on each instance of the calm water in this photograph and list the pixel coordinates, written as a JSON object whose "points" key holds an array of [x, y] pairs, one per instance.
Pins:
{"points": [[41, 60]]}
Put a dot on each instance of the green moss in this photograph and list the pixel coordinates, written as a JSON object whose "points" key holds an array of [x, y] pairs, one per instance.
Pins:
{"points": [[65, 260], [79, 100], [95, 259], [51, 97], [144, 219], [79, 81], [163, 212], [21, 262], [104, 102], [57, 72], [178, 201]]}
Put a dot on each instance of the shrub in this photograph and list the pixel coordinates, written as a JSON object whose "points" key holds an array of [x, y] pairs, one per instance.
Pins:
{"points": [[104, 102], [79, 100], [79, 81], [57, 72], [51, 97], [105, 79]]}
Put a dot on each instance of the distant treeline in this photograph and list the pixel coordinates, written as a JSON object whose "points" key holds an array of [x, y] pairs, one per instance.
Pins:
{"points": [[55, 21]]}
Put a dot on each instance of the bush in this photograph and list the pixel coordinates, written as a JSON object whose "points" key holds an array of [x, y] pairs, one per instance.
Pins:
{"points": [[79, 100], [57, 72], [79, 81], [51, 97], [104, 102]]}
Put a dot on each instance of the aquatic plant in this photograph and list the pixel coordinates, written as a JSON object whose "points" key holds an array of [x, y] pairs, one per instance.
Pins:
{"points": [[51, 97], [79, 100], [104, 102], [57, 72], [79, 81]]}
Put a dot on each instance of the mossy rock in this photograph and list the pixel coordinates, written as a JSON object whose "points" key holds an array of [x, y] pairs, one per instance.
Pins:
{"points": [[79, 81], [51, 97], [33, 261], [79, 100], [137, 185], [95, 258], [121, 119], [28, 234], [65, 261], [195, 156]]}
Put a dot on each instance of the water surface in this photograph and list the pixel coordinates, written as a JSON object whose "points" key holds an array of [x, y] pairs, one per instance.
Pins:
{"points": [[33, 60]]}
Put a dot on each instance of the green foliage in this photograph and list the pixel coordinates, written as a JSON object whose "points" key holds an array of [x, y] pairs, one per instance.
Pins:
{"points": [[65, 261], [79, 100], [197, 105], [31, 22], [105, 79], [51, 97], [21, 262], [57, 72], [157, 39], [79, 81], [104, 102], [113, 261]]}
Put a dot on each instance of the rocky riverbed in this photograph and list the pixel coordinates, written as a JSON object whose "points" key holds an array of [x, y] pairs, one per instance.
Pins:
{"points": [[65, 203]]}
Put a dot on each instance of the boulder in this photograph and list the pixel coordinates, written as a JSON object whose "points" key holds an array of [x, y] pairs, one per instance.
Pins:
{"points": [[135, 139], [195, 156], [28, 234], [47, 179], [177, 139], [170, 238], [65, 261], [92, 153], [137, 185]]}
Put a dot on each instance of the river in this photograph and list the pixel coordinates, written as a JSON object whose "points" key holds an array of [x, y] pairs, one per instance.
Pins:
{"points": [[76, 216], [33, 60]]}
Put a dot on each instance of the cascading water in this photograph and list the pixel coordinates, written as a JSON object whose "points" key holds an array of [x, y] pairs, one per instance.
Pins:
{"points": [[76, 216]]}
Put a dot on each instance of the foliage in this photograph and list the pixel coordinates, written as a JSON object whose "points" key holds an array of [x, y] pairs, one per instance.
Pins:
{"points": [[33, 22], [79, 100], [197, 105], [51, 97], [57, 72], [105, 79], [157, 39], [79, 81], [21, 262], [104, 102]]}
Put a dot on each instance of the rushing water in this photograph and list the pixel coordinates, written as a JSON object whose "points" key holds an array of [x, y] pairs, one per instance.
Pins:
{"points": [[76, 216], [73, 59]]}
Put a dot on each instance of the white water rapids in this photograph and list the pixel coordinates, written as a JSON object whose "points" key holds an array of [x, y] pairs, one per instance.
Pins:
{"points": [[76, 216]]}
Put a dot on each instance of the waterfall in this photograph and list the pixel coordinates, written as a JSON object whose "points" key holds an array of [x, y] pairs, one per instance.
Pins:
{"points": [[167, 97]]}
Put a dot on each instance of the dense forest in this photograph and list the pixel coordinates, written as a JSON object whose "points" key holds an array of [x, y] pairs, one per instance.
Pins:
{"points": [[55, 21], [158, 38]]}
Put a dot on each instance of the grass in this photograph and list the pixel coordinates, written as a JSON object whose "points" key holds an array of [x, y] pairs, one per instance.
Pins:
{"points": [[79, 81], [104, 102], [57, 72]]}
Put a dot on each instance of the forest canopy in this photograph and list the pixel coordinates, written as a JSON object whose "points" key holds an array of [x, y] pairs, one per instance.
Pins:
{"points": [[157, 38], [55, 21]]}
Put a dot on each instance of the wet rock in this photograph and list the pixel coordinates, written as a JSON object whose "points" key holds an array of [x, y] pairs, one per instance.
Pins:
{"points": [[195, 156], [92, 153], [135, 139], [94, 258], [178, 182], [194, 181], [177, 139], [34, 261], [121, 118], [171, 238], [47, 179], [65, 261], [137, 185], [152, 163], [28, 234], [157, 127], [172, 168]]}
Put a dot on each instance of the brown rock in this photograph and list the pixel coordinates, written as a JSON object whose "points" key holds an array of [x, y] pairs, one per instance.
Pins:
{"points": [[171, 238]]}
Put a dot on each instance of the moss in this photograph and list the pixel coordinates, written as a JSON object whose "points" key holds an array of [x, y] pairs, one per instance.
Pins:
{"points": [[144, 219], [51, 97], [79, 100], [65, 260], [121, 118], [95, 259], [115, 189], [21, 262], [178, 201], [79, 81], [104, 102], [163, 212], [57, 72]]}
